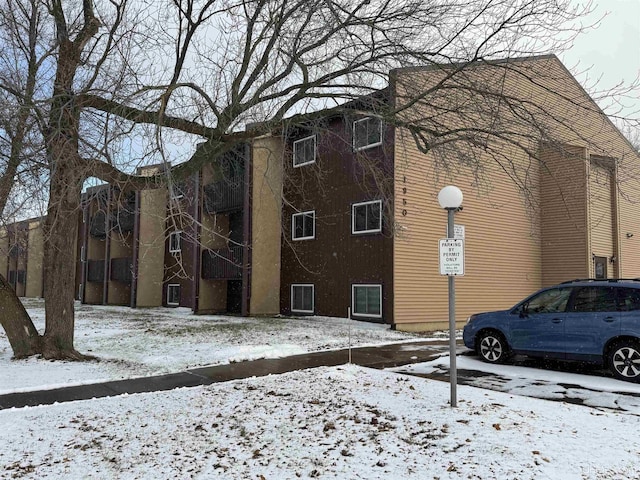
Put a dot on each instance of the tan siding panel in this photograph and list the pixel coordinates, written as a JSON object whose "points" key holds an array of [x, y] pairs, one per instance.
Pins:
{"points": [[151, 246]]}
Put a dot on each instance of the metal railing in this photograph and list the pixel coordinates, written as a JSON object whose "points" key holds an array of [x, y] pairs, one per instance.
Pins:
{"points": [[223, 263]]}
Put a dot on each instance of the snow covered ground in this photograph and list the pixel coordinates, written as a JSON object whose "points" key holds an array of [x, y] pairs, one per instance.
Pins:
{"points": [[343, 422], [141, 342]]}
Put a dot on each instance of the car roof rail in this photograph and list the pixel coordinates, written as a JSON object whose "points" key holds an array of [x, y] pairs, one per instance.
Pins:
{"points": [[601, 280]]}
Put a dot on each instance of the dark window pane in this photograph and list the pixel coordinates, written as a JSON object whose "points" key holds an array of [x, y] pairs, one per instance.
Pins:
{"points": [[373, 216], [629, 299], [361, 218], [595, 299]]}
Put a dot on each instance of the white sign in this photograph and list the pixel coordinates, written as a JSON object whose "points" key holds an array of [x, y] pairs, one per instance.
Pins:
{"points": [[458, 231], [451, 256]]}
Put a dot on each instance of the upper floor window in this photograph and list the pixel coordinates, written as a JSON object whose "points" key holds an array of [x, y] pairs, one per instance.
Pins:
{"points": [[367, 133], [303, 225], [304, 151], [366, 217], [174, 241]]}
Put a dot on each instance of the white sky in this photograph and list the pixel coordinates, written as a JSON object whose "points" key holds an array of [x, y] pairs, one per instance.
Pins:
{"points": [[612, 51]]}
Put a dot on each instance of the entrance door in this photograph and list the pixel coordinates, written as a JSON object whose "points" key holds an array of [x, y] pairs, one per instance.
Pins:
{"points": [[600, 264]]}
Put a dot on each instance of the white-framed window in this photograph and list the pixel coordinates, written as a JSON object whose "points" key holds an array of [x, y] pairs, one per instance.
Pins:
{"points": [[304, 151], [366, 300], [174, 241], [367, 133], [303, 225], [302, 298], [173, 294], [366, 217]]}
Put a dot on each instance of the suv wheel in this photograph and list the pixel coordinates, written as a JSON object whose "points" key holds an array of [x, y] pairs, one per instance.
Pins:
{"points": [[624, 361], [492, 347]]}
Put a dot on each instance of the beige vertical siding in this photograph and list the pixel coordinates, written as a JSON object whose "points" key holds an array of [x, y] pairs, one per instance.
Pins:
{"points": [[524, 227], [627, 189], [266, 232], [151, 243], [35, 259], [565, 252]]}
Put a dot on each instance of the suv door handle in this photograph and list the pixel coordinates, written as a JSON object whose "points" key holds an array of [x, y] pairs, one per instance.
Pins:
{"points": [[556, 320], [609, 319]]}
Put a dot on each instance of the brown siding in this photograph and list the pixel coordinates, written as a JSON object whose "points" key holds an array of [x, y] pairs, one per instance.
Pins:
{"points": [[4, 251], [336, 259]]}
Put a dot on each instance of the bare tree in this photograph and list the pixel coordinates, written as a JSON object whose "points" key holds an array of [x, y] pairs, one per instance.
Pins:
{"points": [[125, 69]]}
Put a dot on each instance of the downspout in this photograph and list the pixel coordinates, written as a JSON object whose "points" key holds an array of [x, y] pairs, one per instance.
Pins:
{"points": [[197, 215], [84, 250], [134, 253], [246, 230], [107, 252]]}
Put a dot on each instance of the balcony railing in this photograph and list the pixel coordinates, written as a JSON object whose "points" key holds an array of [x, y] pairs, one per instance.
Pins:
{"points": [[98, 225], [16, 251], [222, 264], [121, 269], [95, 271], [224, 195], [123, 220]]}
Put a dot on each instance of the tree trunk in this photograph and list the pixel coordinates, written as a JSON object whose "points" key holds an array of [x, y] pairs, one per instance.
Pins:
{"points": [[61, 228], [23, 336]]}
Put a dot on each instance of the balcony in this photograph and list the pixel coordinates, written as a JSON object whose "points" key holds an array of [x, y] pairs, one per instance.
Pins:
{"points": [[224, 195], [95, 271], [123, 220], [16, 251], [121, 269], [222, 264], [98, 225]]}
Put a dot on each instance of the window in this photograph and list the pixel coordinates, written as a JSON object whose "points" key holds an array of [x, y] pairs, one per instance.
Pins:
{"points": [[629, 299], [173, 294], [174, 241], [366, 217], [549, 301], [303, 225], [594, 299], [366, 300], [367, 133], [304, 151], [302, 298]]}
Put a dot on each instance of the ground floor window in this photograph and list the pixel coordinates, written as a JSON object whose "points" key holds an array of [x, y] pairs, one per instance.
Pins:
{"points": [[173, 294], [366, 300], [302, 298]]}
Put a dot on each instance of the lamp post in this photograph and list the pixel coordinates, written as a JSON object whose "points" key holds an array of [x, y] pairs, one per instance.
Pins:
{"points": [[450, 198]]}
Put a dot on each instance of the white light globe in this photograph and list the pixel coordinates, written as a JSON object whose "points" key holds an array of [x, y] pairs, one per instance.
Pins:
{"points": [[450, 197]]}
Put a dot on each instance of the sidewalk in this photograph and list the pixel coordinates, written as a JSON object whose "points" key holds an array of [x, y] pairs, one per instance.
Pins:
{"points": [[383, 356]]}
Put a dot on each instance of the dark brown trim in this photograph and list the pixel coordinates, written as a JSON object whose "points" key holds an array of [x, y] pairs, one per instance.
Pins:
{"points": [[84, 248], [107, 249], [246, 219], [197, 248], [135, 251]]}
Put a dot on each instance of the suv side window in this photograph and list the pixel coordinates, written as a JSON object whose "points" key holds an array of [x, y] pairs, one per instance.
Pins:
{"points": [[594, 299], [629, 299], [550, 301]]}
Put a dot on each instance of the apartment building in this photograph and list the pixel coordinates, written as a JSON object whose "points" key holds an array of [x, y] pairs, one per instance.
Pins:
{"points": [[339, 213]]}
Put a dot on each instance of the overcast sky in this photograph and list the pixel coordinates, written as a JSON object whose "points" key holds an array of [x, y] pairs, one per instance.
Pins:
{"points": [[612, 50]]}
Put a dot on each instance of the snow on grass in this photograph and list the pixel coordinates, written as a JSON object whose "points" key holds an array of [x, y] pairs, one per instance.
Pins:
{"points": [[140, 342], [344, 422]]}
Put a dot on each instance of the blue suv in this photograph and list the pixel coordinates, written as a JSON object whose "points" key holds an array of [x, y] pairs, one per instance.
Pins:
{"points": [[584, 320]]}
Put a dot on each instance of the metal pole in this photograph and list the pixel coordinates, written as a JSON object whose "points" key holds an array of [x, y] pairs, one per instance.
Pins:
{"points": [[453, 373]]}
